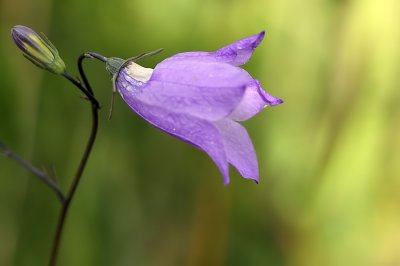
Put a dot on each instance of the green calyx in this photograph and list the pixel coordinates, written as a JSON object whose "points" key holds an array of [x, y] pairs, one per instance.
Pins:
{"points": [[113, 65]]}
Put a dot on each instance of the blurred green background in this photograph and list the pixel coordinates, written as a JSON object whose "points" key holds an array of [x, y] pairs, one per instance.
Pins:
{"points": [[329, 157]]}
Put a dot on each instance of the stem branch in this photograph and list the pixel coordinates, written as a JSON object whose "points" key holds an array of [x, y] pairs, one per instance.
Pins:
{"points": [[53, 185]]}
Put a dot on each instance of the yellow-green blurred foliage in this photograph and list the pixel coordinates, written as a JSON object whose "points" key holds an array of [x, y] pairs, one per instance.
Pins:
{"points": [[329, 156]]}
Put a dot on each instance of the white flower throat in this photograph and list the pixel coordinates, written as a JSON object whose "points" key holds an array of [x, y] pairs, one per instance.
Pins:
{"points": [[138, 72]]}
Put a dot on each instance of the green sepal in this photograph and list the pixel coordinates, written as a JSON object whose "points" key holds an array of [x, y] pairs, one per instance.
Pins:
{"points": [[113, 65]]}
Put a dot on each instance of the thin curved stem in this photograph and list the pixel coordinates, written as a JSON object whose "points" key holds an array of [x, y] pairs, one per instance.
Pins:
{"points": [[77, 83], [53, 185], [82, 164], [74, 186], [80, 67], [96, 56]]}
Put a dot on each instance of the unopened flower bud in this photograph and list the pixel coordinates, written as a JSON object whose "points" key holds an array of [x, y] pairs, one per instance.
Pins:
{"points": [[38, 49]]}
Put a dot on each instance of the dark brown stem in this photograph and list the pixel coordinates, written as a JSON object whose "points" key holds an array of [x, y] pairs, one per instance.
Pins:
{"points": [[74, 186], [65, 207], [78, 84]]}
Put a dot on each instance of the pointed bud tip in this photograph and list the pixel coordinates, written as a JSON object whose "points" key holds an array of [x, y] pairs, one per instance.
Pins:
{"points": [[40, 51]]}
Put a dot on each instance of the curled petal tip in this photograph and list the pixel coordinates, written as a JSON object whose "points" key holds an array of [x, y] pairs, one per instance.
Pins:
{"points": [[275, 102], [279, 101], [268, 98], [259, 39], [239, 52], [255, 179]]}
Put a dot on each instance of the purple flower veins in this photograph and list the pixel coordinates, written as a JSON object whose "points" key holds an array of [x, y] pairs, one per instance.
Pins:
{"points": [[199, 97]]}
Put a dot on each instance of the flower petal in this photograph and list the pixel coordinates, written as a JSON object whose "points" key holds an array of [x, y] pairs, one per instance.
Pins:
{"points": [[209, 91], [237, 53], [239, 149], [253, 101], [196, 131], [192, 56], [202, 74]]}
